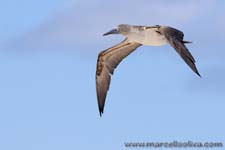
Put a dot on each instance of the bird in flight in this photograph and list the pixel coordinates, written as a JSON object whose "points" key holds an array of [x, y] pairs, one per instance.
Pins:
{"points": [[136, 36]]}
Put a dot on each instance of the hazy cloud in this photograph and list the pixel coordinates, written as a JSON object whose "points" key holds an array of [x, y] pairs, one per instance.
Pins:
{"points": [[82, 23]]}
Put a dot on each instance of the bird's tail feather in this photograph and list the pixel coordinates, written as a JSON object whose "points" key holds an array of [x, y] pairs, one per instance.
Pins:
{"points": [[186, 42]]}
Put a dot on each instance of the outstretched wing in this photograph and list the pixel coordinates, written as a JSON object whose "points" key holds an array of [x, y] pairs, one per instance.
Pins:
{"points": [[175, 38], [108, 60]]}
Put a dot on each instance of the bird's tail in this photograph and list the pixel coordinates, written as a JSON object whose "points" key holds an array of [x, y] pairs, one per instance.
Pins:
{"points": [[186, 42]]}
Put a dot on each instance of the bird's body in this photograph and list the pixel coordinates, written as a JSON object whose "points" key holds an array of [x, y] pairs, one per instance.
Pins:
{"points": [[146, 36], [136, 36]]}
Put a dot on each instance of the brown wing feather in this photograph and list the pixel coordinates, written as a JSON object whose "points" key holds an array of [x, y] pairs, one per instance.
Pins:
{"points": [[175, 38], [108, 60]]}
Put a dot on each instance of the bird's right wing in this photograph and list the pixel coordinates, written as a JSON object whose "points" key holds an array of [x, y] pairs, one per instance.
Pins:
{"points": [[175, 38], [108, 60]]}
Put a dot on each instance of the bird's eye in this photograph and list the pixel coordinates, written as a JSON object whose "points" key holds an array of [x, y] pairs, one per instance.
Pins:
{"points": [[158, 32]]}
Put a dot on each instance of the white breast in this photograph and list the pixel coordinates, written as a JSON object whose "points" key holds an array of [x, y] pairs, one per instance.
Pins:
{"points": [[147, 37]]}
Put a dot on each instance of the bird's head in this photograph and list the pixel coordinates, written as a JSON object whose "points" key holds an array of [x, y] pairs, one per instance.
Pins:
{"points": [[120, 29]]}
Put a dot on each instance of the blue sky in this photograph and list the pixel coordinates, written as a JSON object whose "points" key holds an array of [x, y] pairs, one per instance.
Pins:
{"points": [[48, 52]]}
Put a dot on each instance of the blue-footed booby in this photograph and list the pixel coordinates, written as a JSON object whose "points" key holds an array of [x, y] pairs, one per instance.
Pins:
{"points": [[136, 36]]}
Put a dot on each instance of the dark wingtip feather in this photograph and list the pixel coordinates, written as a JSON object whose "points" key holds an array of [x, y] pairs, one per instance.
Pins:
{"points": [[198, 74], [100, 111], [194, 68]]}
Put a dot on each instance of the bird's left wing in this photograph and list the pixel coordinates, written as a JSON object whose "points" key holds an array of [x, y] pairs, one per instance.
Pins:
{"points": [[108, 60], [175, 38]]}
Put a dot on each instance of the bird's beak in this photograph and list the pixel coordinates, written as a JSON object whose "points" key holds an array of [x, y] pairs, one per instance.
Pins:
{"points": [[113, 31]]}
